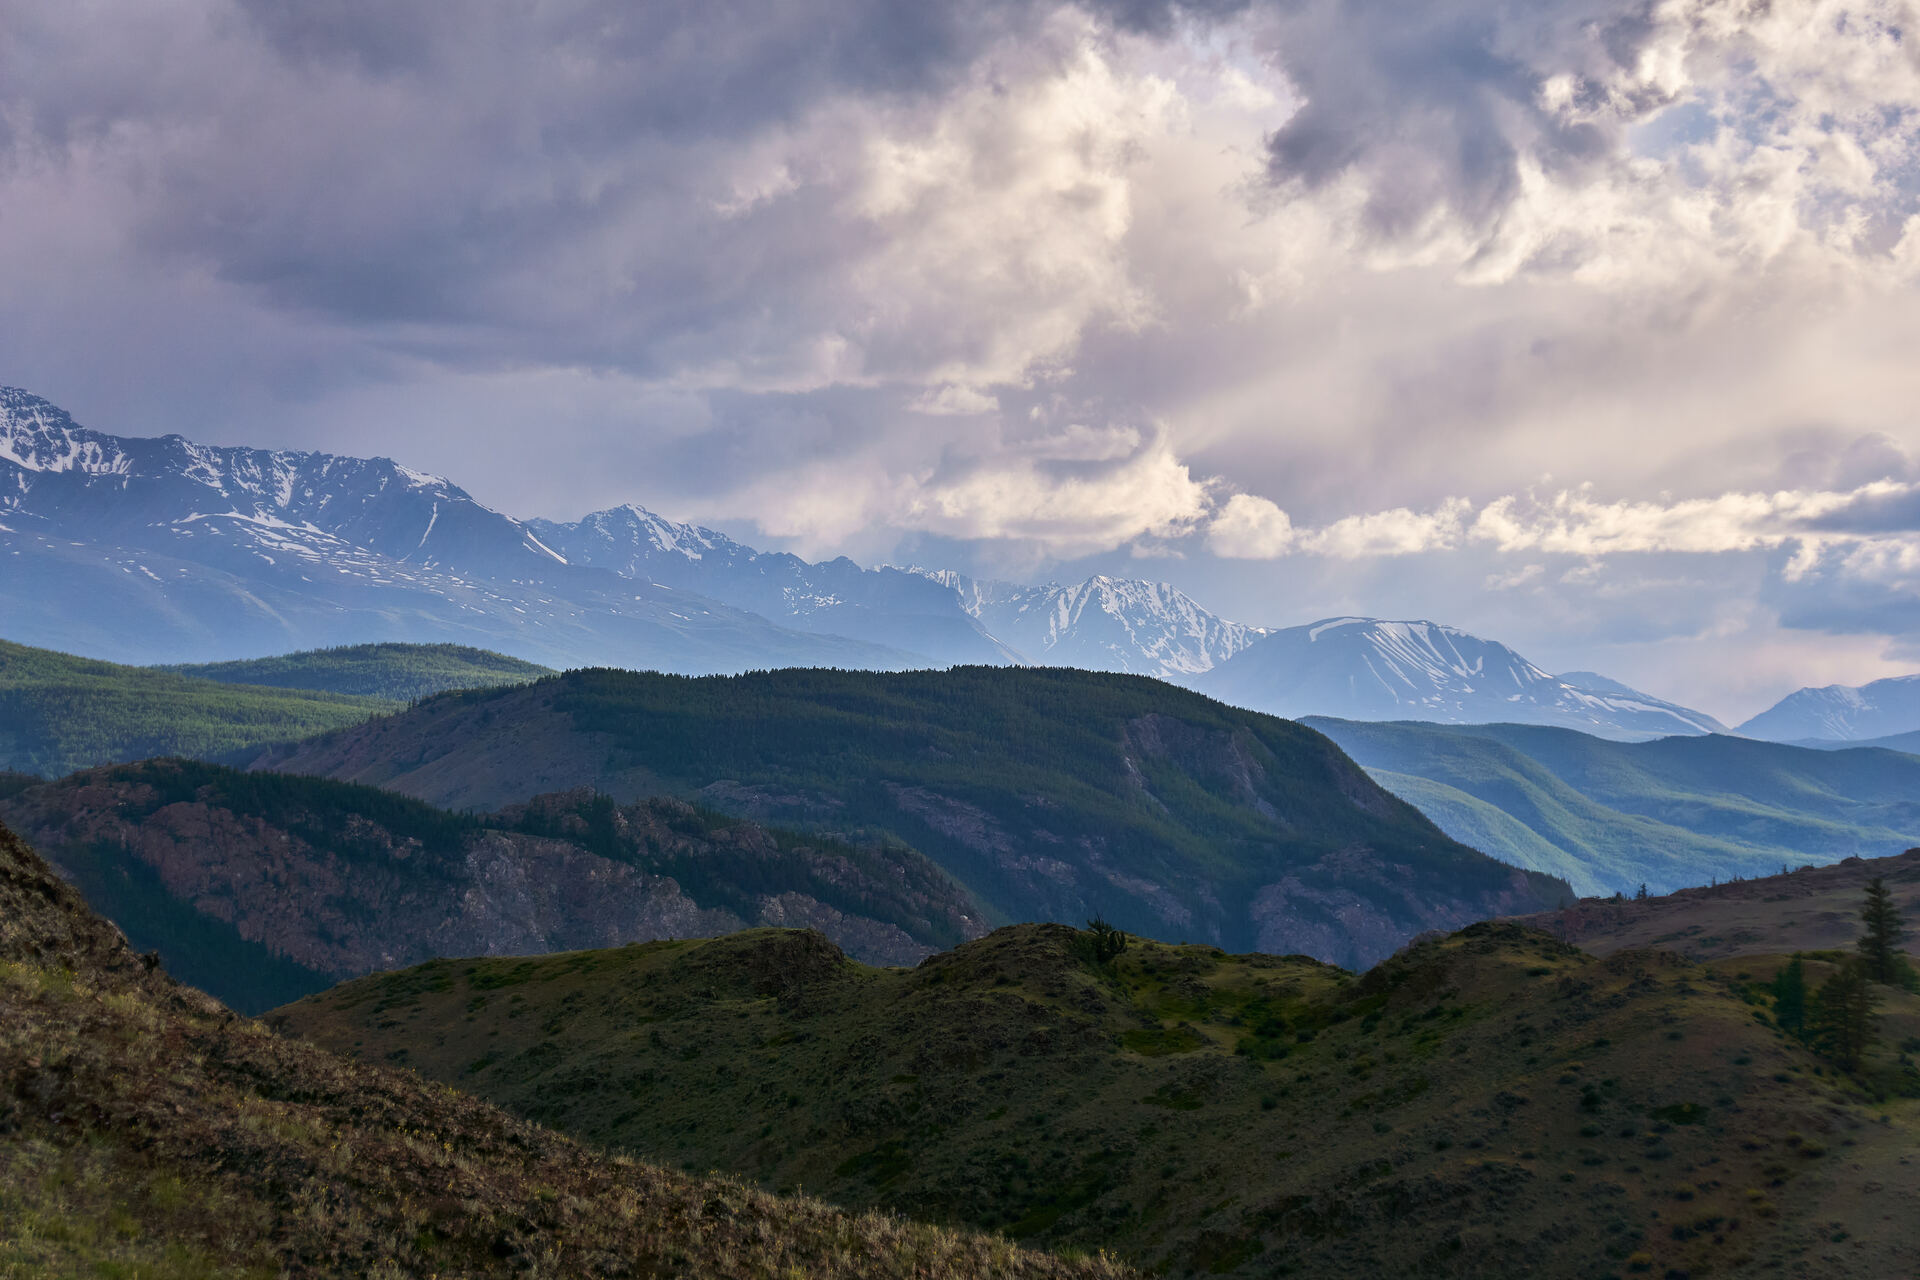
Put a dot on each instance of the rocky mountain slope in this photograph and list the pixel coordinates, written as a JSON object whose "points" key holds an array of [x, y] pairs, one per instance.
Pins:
{"points": [[1806, 909], [397, 672], [1842, 713], [1102, 624], [1051, 794], [163, 550], [1370, 669], [59, 713], [1610, 816], [891, 607], [259, 888], [147, 1132], [1492, 1104]]}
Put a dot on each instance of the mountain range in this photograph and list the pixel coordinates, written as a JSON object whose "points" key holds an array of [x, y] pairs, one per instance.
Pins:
{"points": [[167, 551]]}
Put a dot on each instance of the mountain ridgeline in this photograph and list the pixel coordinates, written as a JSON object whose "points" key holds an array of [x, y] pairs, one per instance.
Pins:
{"points": [[260, 887], [1050, 794]]}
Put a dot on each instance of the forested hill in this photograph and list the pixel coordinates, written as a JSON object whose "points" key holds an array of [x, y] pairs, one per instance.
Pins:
{"points": [[398, 672], [1052, 794], [59, 713]]}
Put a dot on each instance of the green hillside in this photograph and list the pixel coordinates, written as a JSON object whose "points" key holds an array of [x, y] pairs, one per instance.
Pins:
{"points": [[1609, 816], [1493, 1104], [1049, 793], [397, 672], [148, 1134], [59, 713]]}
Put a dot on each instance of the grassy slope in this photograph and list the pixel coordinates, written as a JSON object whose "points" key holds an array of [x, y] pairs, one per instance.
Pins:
{"points": [[1676, 812], [995, 773], [1492, 1104], [59, 713], [1811, 909], [397, 672], [146, 1132]]}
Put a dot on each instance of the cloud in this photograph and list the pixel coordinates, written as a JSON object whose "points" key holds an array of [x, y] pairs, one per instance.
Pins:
{"points": [[1313, 290], [1249, 527]]}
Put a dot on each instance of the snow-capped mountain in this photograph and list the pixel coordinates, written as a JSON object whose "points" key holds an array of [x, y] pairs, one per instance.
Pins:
{"points": [[163, 550], [836, 597], [1842, 713], [1370, 669], [1102, 624]]}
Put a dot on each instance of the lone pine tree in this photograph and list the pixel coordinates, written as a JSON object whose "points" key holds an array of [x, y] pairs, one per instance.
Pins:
{"points": [[1790, 997], [1880, 943], [1843, 1015]]}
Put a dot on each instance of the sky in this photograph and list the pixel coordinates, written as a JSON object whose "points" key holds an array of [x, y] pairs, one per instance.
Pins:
{"points": [[1592, 327]]}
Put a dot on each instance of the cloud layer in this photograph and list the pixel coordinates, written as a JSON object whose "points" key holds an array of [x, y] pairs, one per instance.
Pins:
{"points": [[1569, 295]]}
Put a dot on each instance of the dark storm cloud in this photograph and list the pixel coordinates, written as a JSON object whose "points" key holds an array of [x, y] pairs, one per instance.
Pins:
{"points": [[1433, 103]]}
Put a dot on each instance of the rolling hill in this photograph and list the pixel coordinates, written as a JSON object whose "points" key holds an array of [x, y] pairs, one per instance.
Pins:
{"points": [[394, 672], [147, 1133], [59, 713], [1671, 813], [259, 888], [1050, 794], [1494, 1103]]}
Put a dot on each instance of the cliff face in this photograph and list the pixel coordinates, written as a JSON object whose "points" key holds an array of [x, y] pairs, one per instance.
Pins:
{"points": [[338, 881]]}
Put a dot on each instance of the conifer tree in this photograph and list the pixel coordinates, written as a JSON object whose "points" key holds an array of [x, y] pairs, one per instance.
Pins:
{"points": [[1790, 997], [1880, 943], [1843, 1015]]}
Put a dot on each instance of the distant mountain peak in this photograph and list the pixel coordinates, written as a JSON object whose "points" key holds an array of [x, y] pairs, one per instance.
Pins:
{"points": [[1416, 669], [1102, 623], [1842, 713]]}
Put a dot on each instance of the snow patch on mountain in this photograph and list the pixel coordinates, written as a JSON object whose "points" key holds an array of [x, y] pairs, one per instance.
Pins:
{"points": [[1842, 713], [1102, 624], [1375, 669]]}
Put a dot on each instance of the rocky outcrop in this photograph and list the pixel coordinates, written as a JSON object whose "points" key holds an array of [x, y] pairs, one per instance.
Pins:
{"points": [[341, 892]]}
